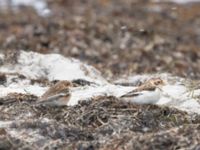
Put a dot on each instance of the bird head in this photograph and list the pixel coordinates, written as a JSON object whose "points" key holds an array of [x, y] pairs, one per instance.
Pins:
{"points": [[66, 83], [157, 82]]}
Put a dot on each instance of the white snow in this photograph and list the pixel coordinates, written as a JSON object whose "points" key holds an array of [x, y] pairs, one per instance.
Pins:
{"points": [[56, 67], [89, 92], [184, 1], [176, 90], [5, 124], [14, 84], [191, 106], [174, 94], [39, 5], [178, 1], [53, 67]]}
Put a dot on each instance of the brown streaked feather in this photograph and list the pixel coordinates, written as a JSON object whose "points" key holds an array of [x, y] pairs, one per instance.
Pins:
{"points": [[59, 87], [61, 97], [131, 94], [144, 87], [136, 91], [149, 85]]}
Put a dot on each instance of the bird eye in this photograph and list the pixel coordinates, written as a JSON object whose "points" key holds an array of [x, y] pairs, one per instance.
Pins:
{"points": [[157, 82]]}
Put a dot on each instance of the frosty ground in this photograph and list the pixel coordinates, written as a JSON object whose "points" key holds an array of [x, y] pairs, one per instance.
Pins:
{"points": [[95, 114], [116, 45]]}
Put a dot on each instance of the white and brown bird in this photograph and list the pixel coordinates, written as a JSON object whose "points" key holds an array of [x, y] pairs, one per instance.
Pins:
{"points": [[147, 93], [58, 95]]}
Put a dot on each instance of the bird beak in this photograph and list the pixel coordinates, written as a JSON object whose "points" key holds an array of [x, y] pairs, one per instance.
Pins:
{"points": [[68, 92], [160, 88]]}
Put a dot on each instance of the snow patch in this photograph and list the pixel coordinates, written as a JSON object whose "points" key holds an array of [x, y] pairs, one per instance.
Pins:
{"points": [[191, 106], [14, 84], [175, 90], [174, 94], [5, 124], [39, 5], [86, 93], [178, 1], [56, 67], [38, 66], [53, 67]]}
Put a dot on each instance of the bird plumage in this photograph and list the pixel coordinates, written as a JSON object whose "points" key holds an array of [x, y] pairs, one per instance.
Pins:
{"points": [[148, 92], [58, 94]]}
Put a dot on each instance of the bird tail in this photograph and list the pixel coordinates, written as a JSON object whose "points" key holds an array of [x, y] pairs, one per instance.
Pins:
{"points": [[130, 94], [53, 98]]}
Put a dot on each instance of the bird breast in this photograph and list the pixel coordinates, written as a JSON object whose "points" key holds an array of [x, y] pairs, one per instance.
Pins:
{"points": [[145, 97]]}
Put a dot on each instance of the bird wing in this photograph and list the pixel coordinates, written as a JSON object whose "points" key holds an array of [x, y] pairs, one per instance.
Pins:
{"points": [[131, 94], [54, 90], [53, 98], [139, 91]]}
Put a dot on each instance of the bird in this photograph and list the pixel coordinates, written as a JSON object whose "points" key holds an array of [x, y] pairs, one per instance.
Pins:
{"points": [[147, 93], [57, 95]]}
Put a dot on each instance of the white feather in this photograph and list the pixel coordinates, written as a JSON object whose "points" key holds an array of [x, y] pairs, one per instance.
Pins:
{"points": [[145, 97]]}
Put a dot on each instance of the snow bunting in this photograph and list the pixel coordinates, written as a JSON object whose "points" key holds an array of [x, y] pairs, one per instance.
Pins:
{"points": [[59, 94], [147, 93]]}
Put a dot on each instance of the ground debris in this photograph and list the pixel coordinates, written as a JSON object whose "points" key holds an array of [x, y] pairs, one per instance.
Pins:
{"points": [[3, 78], [17, 97], [126, 37], [96, 124]]}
